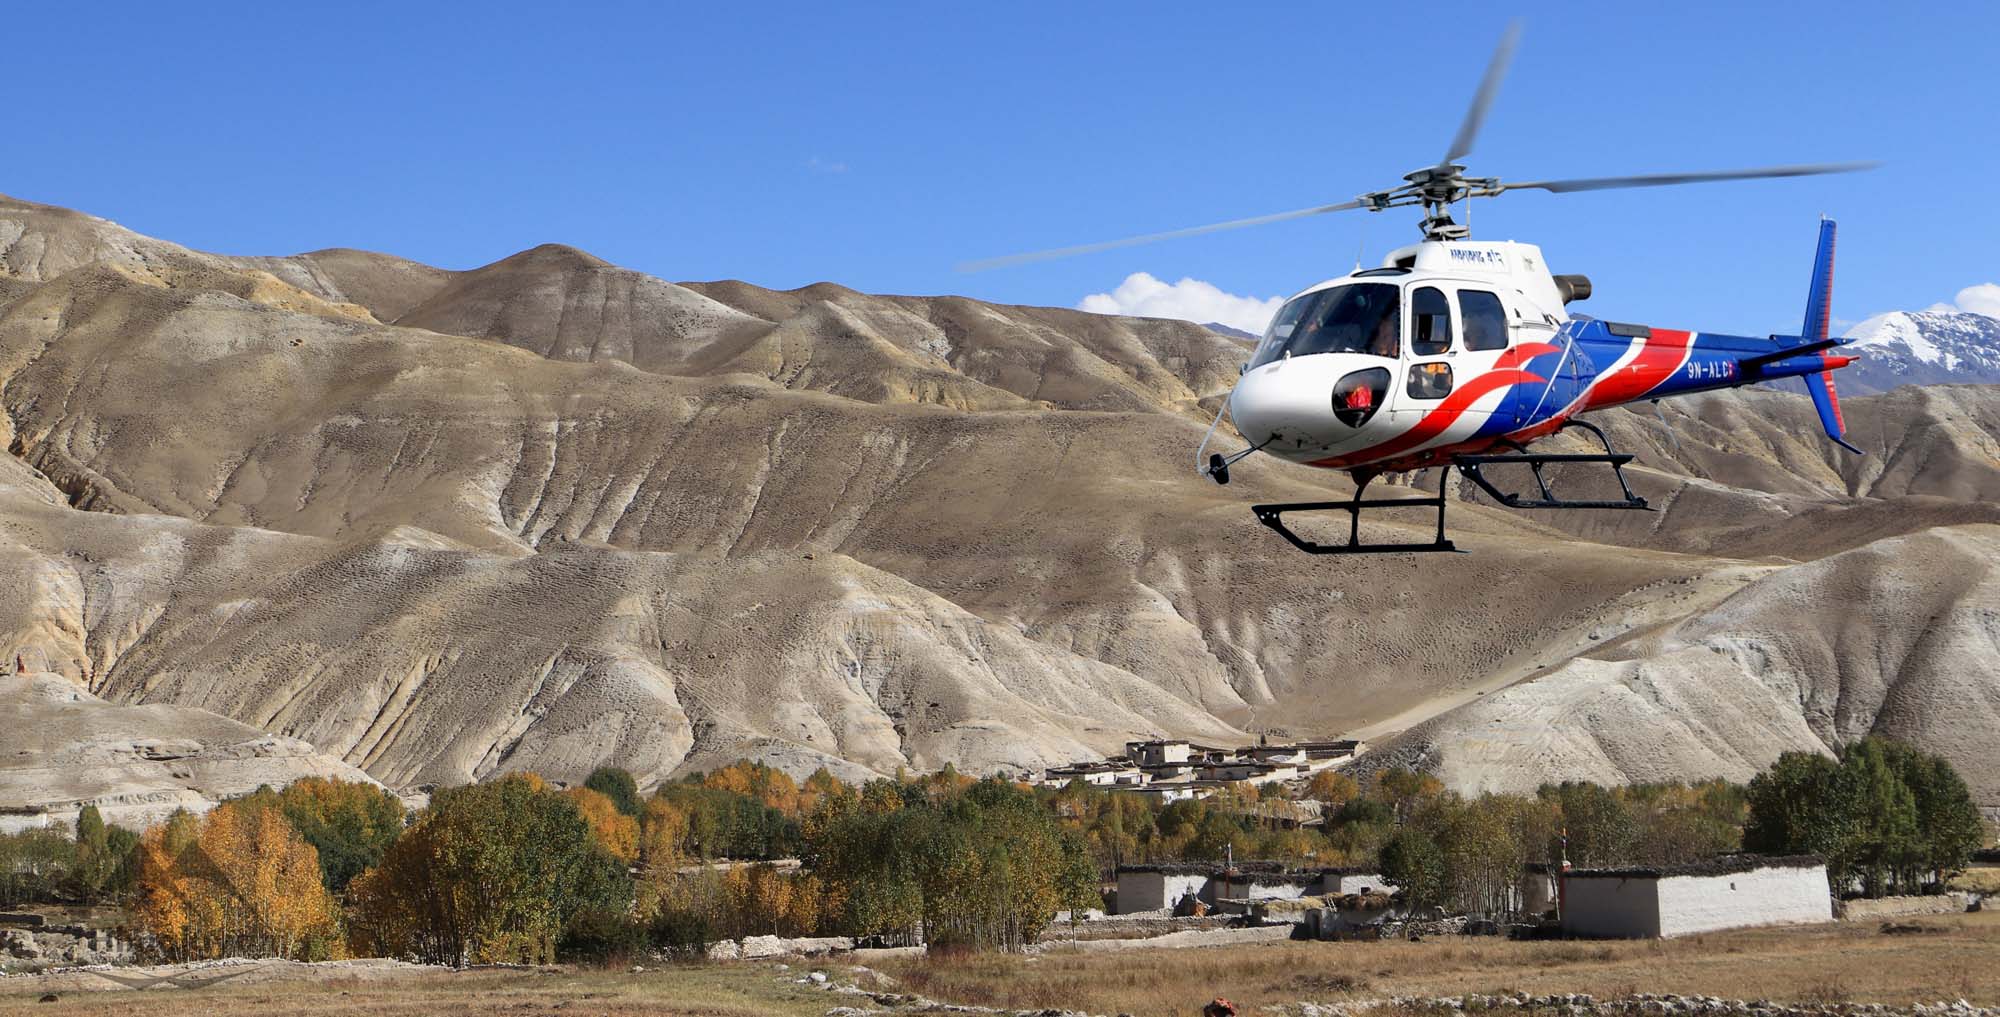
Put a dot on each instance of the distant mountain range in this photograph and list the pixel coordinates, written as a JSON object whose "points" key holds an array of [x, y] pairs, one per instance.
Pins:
{"points": [[1922, 348], [1234, 333]]}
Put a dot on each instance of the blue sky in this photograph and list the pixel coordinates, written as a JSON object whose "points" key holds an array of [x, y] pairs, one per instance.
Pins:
{"points": [[878, 145]]}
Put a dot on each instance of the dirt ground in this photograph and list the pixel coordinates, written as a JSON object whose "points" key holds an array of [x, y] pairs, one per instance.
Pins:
{"points": [[706, 990]]}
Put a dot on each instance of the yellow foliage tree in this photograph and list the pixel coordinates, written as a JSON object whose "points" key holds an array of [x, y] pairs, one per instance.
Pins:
{"points": [[613, 830], [1332, 788], [663, 830], [773, 787], [245, 882]]}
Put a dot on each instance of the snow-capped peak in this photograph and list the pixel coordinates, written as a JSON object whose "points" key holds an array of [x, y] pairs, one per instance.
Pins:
{"points": [[1922, 348]]}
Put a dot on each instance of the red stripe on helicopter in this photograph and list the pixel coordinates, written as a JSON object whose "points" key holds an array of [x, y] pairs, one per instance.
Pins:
{"points": [[1663, 353], [1505, 372]]}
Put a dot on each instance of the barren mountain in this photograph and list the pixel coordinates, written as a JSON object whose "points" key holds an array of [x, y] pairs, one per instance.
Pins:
{"points": [[67, 749], [550, 513]]}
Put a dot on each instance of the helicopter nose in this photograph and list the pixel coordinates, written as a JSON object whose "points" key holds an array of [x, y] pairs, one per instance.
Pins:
{"points": [[1280, 406]]}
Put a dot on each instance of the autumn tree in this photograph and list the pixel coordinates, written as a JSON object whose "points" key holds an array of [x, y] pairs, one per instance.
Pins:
{"points": [[240, 880], [766, 784], [1332, 788], [614, 830]]}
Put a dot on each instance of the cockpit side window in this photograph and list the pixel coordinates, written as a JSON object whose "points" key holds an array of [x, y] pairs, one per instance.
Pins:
{"points": [[1430, 322], [1356, 318], [1485, 320]]}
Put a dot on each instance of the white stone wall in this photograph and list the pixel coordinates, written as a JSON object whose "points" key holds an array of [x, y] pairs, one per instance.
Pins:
{"points": [[1611, 907], [1151, 891], [1359, 882], [1774, 896]]}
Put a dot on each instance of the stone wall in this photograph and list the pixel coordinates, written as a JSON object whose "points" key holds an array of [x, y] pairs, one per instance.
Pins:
{"points": [[1896, 907]]}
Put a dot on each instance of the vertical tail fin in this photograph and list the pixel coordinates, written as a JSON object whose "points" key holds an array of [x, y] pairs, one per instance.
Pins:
{"points": [[1819, 315]]}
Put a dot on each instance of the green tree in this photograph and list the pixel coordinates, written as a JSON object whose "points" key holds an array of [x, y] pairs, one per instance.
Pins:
{"points": [[1948, 823], [1885, 816], [107, 858], [1599, 827], [1881, 840], [34, 865], [984, 863], [617, 784], [494, 872], [1413, 864], [1796, 807]]}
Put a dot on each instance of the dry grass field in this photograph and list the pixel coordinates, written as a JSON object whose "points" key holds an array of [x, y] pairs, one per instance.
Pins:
{"points": [[1952, 957], [703, 990], [1946, 957]]}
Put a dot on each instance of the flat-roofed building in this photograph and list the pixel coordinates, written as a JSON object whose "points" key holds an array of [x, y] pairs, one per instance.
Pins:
{"points": [[1157, 752], [1726, 892]]}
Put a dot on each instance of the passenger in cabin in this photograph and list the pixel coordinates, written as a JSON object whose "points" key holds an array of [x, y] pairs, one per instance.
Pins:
{"points": [[1388, 334]]}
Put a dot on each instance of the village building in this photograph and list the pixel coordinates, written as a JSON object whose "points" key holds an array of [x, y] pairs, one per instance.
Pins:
{"points": [[1291, 754], [1234, 889], [1106, 774], [1726, 892], [1157, 753], [1200, 768], [1326, 751]]}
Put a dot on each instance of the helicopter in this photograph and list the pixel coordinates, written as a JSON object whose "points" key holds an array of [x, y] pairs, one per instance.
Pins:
{"points": [[1460, 354]]}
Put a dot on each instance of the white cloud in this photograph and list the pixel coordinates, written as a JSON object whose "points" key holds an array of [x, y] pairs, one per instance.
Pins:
{"points": [[819, 165], [1190, 299], [1981, 299]]}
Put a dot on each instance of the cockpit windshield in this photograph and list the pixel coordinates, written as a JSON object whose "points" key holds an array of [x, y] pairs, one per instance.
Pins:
{"points": [[1355, 318]]}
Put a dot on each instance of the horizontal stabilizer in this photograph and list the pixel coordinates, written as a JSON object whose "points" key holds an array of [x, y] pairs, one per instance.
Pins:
{"points": [[1755, 365]]}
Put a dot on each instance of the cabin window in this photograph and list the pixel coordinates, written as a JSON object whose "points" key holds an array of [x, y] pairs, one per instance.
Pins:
{"points": [[1355, 318], [1430, 381], [1430, 322], [1485, 320]]}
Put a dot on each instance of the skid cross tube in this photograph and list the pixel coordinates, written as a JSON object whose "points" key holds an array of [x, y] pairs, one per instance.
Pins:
{"points": [[1470, 466], [1273, 517]]}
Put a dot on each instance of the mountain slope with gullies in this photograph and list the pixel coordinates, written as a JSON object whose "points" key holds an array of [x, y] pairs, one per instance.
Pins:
{"points": [[551, 513]]}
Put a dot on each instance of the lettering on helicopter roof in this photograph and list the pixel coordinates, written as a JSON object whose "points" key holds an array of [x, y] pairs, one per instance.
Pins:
{"points": [[1477, 257]]}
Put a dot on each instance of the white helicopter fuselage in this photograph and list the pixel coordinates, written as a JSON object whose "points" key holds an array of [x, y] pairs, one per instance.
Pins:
{"points": [[1464, 313]]}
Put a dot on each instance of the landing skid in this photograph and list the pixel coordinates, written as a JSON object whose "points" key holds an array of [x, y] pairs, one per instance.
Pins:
{"points": [[1470, 466], [1273, 515]]}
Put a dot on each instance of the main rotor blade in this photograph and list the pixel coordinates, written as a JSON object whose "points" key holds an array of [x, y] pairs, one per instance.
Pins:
{"points": [[1064, 252], [1663, 179], [1489, 87]]}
